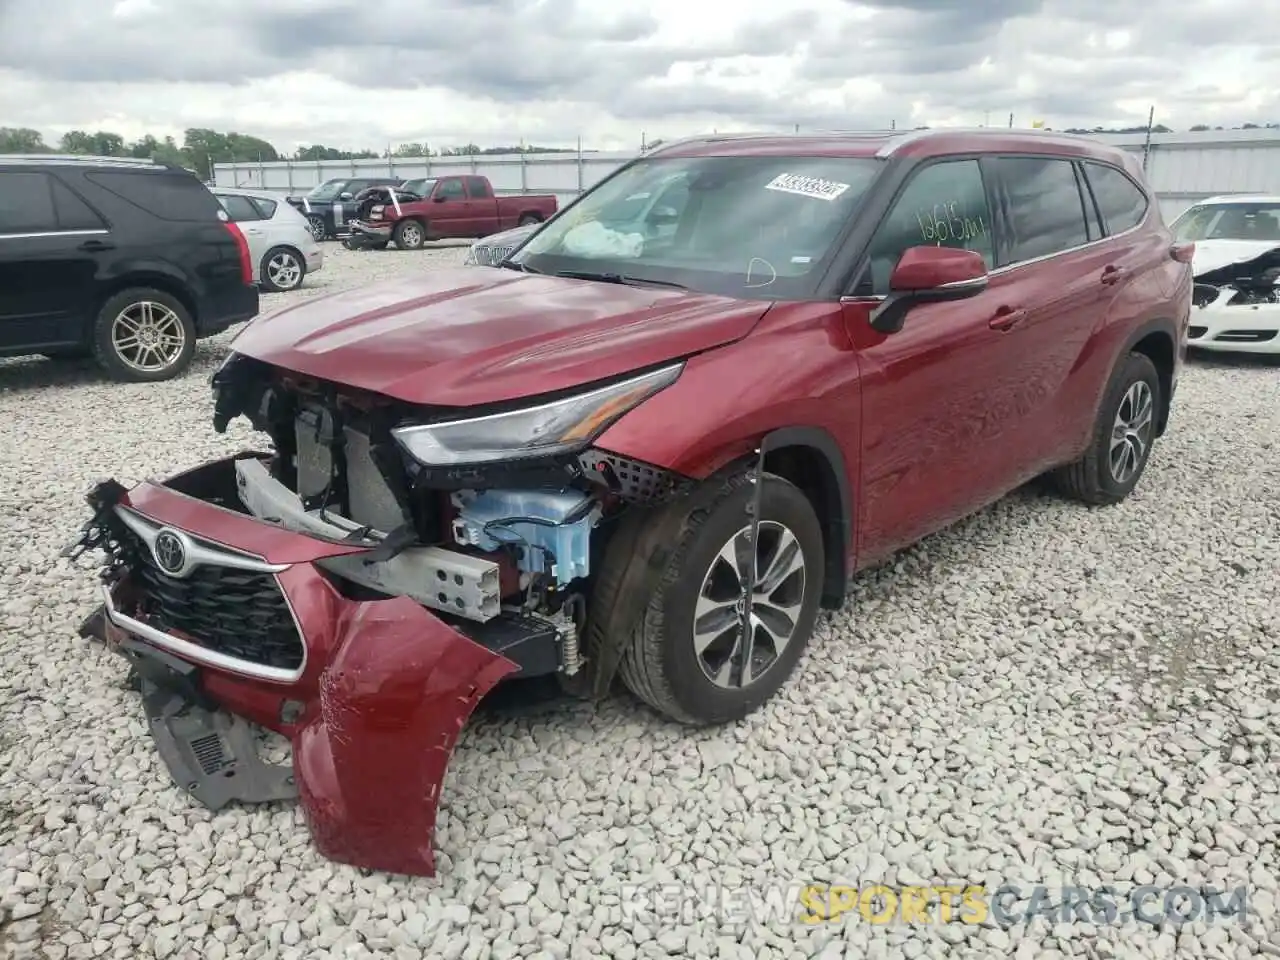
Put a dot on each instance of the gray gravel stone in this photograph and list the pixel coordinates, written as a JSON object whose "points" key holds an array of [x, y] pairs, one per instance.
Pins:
{"points": [[1043, 694]]}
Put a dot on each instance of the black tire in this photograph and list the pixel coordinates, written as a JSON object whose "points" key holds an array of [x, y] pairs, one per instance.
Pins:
{"points": [[659, 664], [265, 273], [410, 235], [107, 352], [380, 245], [1092, 479], [529, 218], [316, 224]]}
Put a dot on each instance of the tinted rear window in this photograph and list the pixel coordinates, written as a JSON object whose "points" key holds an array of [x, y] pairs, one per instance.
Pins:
{"points": [[1121, 201], [1043, 207], [26, 204], [176, 197]]}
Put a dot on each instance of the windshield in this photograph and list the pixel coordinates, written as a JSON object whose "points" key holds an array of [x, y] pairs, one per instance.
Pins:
{"points": [[752, 227], [1230, 221], [419, 187], [327, 190]]}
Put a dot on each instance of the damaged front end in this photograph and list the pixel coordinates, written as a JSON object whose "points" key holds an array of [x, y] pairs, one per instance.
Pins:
{"points": [[358, 589], [1236, 305]]}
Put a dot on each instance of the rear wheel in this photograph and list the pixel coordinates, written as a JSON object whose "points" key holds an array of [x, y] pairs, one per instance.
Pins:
{"points": [[1122, 437], [529, 218], [410, 235], [143, 335], [282, 269], [696, 654]]}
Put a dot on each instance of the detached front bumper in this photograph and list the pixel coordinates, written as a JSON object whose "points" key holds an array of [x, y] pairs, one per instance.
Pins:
{"points": [[374, 231], [372, 698]]}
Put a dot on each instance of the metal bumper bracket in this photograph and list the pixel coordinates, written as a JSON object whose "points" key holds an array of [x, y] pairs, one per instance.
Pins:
{"points": [[211, 753]]}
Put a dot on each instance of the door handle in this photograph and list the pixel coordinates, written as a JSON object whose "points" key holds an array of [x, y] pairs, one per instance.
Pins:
{"points": [[96, 246], [1007, 318], [1112, 275]]}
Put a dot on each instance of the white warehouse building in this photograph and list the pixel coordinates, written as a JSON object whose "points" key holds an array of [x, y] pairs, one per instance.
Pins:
{"points": [[1182, 168]]}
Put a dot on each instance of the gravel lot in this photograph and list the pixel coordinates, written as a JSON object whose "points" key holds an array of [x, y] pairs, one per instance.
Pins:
{"points": [[1044, 694]]}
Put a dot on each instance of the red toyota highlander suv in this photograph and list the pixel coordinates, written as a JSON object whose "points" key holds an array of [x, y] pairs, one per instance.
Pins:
{"points": [[652, 445]]}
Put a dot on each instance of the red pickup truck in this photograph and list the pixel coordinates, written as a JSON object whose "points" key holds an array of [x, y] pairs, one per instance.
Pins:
{"points": [[446, 207]]}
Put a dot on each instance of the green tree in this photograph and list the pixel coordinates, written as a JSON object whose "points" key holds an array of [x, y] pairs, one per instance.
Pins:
{"points": [[101, 143], [22, 140]]}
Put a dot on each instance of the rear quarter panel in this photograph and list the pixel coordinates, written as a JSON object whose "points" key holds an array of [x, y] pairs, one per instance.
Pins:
{"points": [[1150, 298]]}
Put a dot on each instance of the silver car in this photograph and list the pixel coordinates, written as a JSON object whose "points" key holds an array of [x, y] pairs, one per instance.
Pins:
{"points": [[492, 250], [280, 241]]}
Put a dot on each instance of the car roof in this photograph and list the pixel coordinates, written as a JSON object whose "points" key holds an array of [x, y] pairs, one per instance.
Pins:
{"points": [[250, 192], [1239, 198], [886, 144], [79, 160]]}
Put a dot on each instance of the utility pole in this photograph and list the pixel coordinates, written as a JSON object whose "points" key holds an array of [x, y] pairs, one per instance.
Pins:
{"points": [[1011, 121], [1146, 147]]}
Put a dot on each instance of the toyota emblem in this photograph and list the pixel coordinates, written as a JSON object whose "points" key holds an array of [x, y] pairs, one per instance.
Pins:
{"points": [[170, 553]]}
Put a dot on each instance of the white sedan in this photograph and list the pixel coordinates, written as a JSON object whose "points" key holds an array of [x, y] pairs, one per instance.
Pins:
{"points": [[1236, 266], [280, 241]]}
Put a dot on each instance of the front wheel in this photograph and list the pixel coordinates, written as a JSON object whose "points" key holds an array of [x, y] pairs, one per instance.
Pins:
{"points": [[315, 223], [1122, 437], [410, 235], [143, 335], [727, 620]]}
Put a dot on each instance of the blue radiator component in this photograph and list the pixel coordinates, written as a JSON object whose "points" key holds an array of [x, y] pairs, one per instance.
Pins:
{"points": [[534, 521]]}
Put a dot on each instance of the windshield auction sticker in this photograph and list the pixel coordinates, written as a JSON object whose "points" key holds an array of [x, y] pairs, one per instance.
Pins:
{"points": [[806, 186]]}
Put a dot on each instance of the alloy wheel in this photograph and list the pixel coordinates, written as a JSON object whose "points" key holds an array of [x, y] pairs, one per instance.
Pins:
{"points": [[1131, 432], [148, 336], [284, 270], [316, 226], [411, 235], [749, 604]]}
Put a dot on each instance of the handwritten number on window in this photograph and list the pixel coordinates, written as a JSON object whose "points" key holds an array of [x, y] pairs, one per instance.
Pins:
{"points": [[943, 223]]}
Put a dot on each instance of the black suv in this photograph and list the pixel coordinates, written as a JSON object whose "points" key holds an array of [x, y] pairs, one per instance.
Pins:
{"points": [[329, 206], [127, 261]]}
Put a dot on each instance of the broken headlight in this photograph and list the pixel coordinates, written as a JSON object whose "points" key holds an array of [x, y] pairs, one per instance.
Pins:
{"points": [[562, 426]]}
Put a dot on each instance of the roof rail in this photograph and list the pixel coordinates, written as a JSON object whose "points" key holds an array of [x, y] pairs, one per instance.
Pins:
{"points": [[911, 136], [74, 158]]}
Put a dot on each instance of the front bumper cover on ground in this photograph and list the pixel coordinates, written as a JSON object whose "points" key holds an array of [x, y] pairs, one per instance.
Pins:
{"points": [[373, 712]]}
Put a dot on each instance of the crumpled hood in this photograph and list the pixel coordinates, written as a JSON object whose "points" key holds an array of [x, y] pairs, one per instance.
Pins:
{"points": [[1213, 255], [462, 336]]}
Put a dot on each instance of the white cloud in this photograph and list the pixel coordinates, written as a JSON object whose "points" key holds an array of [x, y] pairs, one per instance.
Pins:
{"points": [[359, 75]]}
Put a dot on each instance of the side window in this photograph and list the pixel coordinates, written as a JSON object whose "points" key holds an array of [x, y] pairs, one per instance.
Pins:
{"points": [[26, 204], [451, 189], [267, 208], [945, 205], [1121, 201], [239, 208], [1043, 208], [177, 197], [478, 188], [72, 212]]}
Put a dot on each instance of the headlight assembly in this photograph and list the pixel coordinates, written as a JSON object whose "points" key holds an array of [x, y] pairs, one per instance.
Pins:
{"points": [[562, 426]]}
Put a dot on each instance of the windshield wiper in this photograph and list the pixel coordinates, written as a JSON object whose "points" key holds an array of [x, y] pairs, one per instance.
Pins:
{"points": [[618, 278], [512, 265]]}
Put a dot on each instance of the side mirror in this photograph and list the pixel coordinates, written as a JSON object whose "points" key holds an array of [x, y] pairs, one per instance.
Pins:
{"points": [[928, 274]]}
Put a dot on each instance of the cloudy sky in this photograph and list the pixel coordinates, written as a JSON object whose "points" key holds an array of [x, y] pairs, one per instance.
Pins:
{"points": [[359, 74]]}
